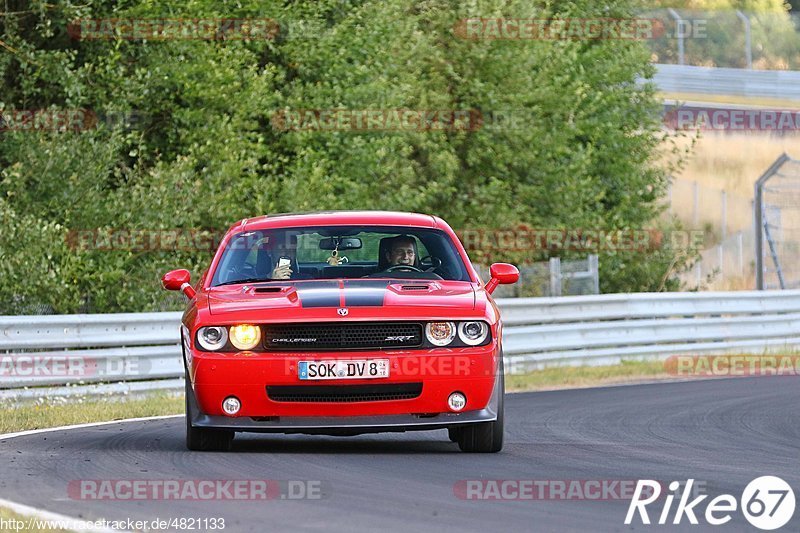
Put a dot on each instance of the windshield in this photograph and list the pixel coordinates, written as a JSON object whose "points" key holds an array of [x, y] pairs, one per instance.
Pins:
{"points": [[339, 252]]}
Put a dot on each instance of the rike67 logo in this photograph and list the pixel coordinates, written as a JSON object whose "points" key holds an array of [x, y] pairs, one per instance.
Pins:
{"points": [[767, 502]]}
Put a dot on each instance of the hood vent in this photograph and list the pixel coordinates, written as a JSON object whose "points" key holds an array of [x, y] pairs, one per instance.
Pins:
{"points": [[260, 290], [415, 287]]}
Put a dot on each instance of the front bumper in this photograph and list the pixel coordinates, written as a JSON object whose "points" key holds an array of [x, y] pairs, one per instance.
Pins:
{"points": [[476, 372]]}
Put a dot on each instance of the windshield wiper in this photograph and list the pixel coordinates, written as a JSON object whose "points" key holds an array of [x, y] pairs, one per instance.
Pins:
{"points": [[245, 280]]}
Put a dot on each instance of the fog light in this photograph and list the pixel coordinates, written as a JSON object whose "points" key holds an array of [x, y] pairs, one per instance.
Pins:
{"points": [[457, 401], [231, 405]]}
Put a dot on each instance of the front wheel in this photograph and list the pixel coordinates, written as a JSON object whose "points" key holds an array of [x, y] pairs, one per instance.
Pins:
{"points": [[485, 437], [205, 439]]}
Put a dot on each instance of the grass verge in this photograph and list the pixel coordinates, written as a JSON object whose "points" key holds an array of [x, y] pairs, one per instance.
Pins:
{"points": [[783, 103], [574, 377], [24, 417]]}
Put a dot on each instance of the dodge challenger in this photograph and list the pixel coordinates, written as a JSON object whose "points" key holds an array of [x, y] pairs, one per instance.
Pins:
{"points": [[342, 323]]}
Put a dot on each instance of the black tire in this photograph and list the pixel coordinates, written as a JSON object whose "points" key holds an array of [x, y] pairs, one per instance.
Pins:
{"points": [[485, 437], [205, 439], [453, 434]]}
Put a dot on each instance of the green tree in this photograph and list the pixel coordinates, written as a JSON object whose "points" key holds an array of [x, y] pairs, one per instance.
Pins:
{"points": [[576, 147]]}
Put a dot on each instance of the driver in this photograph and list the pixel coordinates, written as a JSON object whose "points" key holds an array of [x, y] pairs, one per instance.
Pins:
{"points": [[403, 251]]}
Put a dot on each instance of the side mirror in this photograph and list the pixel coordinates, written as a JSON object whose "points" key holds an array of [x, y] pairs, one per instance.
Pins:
{"points": [[178, 280], [502, 274]]}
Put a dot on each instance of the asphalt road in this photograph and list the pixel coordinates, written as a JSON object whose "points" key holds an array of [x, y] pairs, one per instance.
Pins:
{"points": [[721, 433]]}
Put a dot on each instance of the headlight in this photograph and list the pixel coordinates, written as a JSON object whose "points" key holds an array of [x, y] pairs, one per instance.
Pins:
{"points": [[440, 333], [212, 337], [245, 336], [472, 333]]}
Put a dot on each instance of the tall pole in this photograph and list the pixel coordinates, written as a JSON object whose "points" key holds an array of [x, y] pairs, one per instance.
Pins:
{"points": [[678, 33], [758, 217], [748, 46]]}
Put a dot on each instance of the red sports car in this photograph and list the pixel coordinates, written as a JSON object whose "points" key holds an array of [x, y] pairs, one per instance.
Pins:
{"points": [[342, 323]]}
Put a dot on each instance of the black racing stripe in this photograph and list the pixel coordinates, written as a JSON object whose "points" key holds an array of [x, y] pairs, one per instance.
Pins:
{"points": [[360, 293], [318, 293]]}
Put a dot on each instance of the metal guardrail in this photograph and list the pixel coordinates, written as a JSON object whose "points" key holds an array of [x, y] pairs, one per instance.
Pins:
{"points": [[781, 84], [118, 354]]}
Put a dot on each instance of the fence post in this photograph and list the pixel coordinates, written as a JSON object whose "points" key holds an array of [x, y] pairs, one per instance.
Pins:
{"points": [[758, 217], [720, 257], [724, 214], [594, 271], [740, 244], [748, 46], [679, 33], [555, 276]]}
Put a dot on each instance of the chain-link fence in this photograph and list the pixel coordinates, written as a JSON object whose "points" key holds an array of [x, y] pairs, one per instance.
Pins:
{"points": [[777, 214], [725, 38]]}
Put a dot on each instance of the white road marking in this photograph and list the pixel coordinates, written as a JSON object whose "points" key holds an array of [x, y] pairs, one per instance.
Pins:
{"points": [[80, 426], [42, 514]]}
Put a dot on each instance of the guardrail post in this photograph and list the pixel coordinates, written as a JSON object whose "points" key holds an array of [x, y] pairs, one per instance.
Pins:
{"points": [[555, 276]]}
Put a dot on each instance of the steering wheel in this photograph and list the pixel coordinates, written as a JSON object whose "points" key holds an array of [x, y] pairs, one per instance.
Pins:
{"points": [[241, 271], [435, 262], [403, 268]]}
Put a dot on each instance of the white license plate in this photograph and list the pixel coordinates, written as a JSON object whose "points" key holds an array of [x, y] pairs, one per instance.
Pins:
{"points": [[361, 369]]}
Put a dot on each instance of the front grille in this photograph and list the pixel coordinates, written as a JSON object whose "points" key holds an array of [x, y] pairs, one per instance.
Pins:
{"points": [[344, 393], [342, 336]]}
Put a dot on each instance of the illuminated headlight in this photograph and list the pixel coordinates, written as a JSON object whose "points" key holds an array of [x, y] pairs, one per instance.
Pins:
{"points": [[245, 336], [472, 333], [440, 333], [212, 338]]}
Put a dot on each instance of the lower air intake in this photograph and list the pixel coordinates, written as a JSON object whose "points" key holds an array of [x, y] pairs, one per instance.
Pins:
{"points": [[344, 393]]}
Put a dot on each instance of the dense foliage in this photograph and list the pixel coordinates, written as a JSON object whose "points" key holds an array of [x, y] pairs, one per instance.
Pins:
{"points": [[186, 136]]}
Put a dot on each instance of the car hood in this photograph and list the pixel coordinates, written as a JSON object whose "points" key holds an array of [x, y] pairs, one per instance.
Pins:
{"points": [[296, 295]]}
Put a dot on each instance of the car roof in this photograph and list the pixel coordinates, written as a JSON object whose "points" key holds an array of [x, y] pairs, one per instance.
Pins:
{"points": [[337, 218]]}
